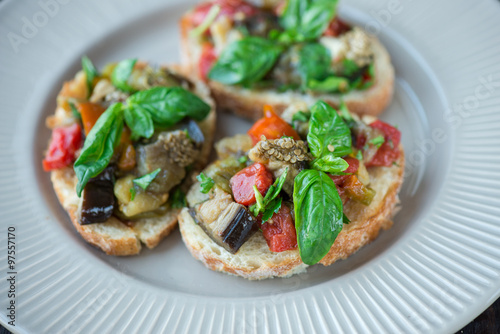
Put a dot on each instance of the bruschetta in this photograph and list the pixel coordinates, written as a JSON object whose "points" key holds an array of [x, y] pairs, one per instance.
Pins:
{"points": [[297, 51], [311, 187], [124, 144]]}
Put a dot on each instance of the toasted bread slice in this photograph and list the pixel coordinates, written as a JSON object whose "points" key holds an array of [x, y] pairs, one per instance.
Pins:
{"points": [[116, 237], [248, 103], [255, 261]]}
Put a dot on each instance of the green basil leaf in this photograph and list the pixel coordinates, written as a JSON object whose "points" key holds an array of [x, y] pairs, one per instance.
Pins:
{"points": [[206, 183], [245, 61], [275, 189], [99, 146], [318, 214], [314, 62], [178, 199], [139, 122], [345, 220], [359, 155], [169, 105], [346, 115], [90, 73], [307, 19], [327, 129], [317, 17], [121, 73], [301, 116], [330, 164], [331, 84], [145, 180], [271, 209], [350, 67]]}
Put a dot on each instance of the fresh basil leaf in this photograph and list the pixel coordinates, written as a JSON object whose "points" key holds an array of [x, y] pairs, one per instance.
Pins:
{"points": [[350, 67], [318, 214], [332, 84], [271, 209], [316, 18], [314, 62], [139, 122], [259, 205], [90, 73], [245, 61], [345, 220], [206, 183], [169, 105], [327, 128], [377, 141], [99, 146], [301, 116], [330, 164], [178, 199], [346, 115], [242, 159], [359, 155], [307, 19], [145, 180], [121, 74], [74, 111]]}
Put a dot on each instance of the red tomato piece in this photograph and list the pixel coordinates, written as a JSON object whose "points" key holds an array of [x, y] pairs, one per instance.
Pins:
{"points": [[389, 151], [353, 168], [63, 145], [336, 28], [227, 8], [271, 126], [242, 183], [207, 59], [280, 235]]}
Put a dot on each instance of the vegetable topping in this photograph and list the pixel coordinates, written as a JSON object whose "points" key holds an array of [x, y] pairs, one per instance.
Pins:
{"points": [[243, 182], [271, 127]]}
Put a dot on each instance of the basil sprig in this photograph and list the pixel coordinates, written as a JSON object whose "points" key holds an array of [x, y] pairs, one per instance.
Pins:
{"points": [[318, 214], [315, 63], [269, 204], [307, 19], [329, 139], [245, 61], [158, 106], [121, 73], [99, 146], [90, 73]]}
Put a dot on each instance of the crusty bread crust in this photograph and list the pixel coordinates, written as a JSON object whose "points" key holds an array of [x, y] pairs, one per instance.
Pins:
{"points": [[255, 261], [249, 103], [114, 236]]}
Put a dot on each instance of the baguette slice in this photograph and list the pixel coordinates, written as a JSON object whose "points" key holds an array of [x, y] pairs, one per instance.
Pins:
{"points": [[116, 237], [255, 261], [249, 103]]}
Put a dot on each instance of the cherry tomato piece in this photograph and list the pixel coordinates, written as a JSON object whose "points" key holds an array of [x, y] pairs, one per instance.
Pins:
{"points": [[280, 235], [272, 127], [388, 153], [336, 28], [64, 143], [242, 183]]}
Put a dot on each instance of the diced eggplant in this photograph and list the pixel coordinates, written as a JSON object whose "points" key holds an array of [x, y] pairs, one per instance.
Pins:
{"points": [[194, 131], [98, 198], [231, 229]]}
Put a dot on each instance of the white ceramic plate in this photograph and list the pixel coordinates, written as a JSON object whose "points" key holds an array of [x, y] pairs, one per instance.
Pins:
{"points": [[434, 271]]}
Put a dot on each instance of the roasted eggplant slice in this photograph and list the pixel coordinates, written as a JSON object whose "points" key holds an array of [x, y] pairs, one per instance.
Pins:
{"points": [[194, 131], [232, 229], [98, 198]]}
